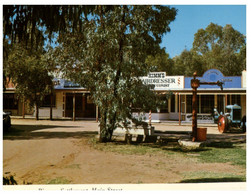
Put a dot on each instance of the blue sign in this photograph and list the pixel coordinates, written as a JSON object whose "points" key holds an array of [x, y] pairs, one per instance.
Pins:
{"points": [[64, 84], [214, 75]]}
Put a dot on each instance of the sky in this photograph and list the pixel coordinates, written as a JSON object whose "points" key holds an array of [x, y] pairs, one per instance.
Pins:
{"points": [[191, 18]]}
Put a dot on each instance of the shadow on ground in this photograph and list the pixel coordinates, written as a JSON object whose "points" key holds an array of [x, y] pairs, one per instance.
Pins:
{"points": [[228, 137], [26, 132], [213, 180]]}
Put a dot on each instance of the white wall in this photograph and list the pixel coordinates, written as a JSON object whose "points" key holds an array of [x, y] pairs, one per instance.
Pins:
{"points": [[57, 112], [243, 79], [174, 116], [156, 117]]}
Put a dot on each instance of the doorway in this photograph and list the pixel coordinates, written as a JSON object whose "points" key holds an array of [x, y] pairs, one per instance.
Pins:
{"points": [[84, 107]]}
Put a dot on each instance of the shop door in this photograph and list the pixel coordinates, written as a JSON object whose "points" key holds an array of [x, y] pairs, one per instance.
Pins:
{"points": [[69, 105], [84, 107], [79, 112], [90, 108], [79, 105]]}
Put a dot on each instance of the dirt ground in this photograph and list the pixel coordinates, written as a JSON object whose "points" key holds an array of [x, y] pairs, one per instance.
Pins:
{"points": [[43, 152]]}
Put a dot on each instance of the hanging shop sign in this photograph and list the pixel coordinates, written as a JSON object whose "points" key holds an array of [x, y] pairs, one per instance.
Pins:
{"points": [[159, 81], [64, 84]]}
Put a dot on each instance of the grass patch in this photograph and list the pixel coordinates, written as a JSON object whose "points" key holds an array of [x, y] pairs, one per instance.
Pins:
{"points": [[73, 166], [236, 155], [134, 149], [59, 180], [206, 176], [231, 153]]}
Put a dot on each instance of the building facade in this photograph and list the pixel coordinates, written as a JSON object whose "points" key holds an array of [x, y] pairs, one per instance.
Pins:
{"points": [[68, 101], [72, 101]]}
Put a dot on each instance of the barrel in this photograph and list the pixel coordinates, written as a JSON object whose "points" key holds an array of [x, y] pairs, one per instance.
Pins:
{"points": [[201, 134]]}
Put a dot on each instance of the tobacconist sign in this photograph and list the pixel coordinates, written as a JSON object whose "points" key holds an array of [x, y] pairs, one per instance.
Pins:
{"points": [[160, 81]]}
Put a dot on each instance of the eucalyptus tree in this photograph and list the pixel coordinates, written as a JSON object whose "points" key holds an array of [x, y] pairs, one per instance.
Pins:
{"points": [[21, 22], [35, 26], [108, 58], [27, 29], [222, 48], [101, 47]]}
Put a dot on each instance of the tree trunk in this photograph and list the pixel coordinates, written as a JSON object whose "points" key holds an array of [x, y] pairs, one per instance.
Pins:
{"points": [[106, 129], [23, 109], [51, 107], [37, 112]]}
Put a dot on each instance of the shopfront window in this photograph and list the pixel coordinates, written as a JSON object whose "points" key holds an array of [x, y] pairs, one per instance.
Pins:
{"points": [[220, 103], [189, 101], [9, 101], [236, 99], [164, 107], [233, 99], [228, 100], [178, 103], [47, 101], [207, 103], [173, 103]]}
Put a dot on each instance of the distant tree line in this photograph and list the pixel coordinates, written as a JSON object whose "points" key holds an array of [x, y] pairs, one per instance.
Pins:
{"points": [[223, 48]]}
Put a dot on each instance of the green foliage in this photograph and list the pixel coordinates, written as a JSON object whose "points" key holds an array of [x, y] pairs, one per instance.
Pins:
{"points": [[222, 48], [218, 47], [161, 62], [21, 22], [28, 71], [187, 63], [108, 58]]}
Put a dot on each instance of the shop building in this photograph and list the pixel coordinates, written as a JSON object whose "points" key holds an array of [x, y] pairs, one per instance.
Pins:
{"points": [[179, 106], [11, 102], [211, 96], [73, 101], [69, 101]]}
